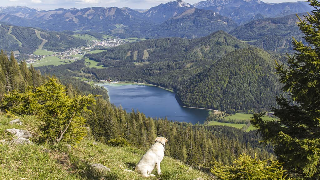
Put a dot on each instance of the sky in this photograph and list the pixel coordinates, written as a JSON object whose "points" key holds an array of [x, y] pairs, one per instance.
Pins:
{"points": [[67, 4]]}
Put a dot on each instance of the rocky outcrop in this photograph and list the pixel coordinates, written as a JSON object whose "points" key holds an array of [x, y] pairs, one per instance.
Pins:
{"points": [[16, 121], [21, 136], [99, 169]]}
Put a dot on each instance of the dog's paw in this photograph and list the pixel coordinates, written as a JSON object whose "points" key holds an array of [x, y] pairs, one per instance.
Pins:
{"points": [[152, 175]]}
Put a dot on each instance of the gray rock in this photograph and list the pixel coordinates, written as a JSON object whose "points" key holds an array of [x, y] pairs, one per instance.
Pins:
{"points": [[16, 121], [20, 133], [21, 140], [22, 136], [99, 169]]}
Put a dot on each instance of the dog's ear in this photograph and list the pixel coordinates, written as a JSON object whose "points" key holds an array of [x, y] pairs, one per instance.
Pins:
{"points": [[157, 139]]}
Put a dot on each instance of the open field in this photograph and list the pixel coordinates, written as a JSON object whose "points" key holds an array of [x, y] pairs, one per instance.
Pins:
{"points": [[237, 116], [93, 64], [40, 52], [85, 37], [242, 116], [216, 123], [95, 51], [50, 60]]}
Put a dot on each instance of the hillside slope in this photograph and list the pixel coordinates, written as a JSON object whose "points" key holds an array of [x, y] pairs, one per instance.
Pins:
{"points": [[43, 162], [192, 23], [242, 80], [27, 40], [271, 34]]}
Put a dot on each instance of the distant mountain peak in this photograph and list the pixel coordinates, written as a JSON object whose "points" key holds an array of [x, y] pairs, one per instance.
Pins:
{"points": [[224, 2], [183, 4]]}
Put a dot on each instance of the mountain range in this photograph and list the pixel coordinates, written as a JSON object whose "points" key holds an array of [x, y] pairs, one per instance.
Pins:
{"points": [[172, 19], [243, 11]]}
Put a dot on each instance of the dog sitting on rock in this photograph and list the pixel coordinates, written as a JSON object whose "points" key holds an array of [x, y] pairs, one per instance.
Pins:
{"points": [[152, 157]]}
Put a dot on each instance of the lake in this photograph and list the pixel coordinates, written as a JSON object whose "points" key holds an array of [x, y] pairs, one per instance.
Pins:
{"points": [[153, 102]]}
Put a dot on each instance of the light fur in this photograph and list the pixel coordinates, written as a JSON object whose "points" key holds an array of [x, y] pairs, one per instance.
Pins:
{"points": [[152, 157]]}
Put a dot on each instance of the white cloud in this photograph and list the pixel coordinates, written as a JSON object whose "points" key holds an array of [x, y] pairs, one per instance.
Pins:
{"points": [[36, 1], [90, 1]]}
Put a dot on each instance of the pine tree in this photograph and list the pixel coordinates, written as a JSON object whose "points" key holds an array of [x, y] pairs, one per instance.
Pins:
{"points": [[296, 135], [25, 72]]}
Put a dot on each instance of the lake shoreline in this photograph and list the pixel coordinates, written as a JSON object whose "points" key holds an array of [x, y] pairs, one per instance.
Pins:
{"points": [[147, 84]]}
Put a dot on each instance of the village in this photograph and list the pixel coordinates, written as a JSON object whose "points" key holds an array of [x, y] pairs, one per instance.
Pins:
{"points": [[75, 54]]}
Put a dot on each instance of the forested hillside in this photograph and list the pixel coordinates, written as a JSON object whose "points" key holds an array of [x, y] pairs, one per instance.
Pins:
{"points": [[241, 80], [27, 40], [14, 76], [271, 34]]}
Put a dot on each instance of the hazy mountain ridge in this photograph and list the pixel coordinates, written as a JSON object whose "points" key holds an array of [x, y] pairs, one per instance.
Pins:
{"points": [[271, 34], [192, 23], [242, 11], [163, 12]]}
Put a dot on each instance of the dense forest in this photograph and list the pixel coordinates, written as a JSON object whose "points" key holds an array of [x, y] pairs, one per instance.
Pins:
{"points": [[246, 77], [15, 76]]}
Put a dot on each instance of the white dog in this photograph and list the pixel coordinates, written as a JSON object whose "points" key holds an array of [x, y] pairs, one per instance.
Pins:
{"points": [[152, 157]]}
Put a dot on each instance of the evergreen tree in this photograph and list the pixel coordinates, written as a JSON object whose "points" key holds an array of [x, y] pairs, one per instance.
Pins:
{"points": [[296, 135], [25, 72], [61, 117]]}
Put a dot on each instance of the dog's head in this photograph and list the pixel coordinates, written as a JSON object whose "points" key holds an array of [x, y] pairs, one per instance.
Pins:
{"points": [[162, 140]]}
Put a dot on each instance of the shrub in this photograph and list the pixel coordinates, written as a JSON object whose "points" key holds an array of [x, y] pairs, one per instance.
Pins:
{"points": [[246, 167]]}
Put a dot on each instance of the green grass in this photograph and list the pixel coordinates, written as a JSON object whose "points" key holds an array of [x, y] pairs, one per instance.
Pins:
{"points": [[242, 116], [216, 123], [237, 116], [95, 51], [46, 162], [108, 36], [40, 52], [50, 60], [93, 64], [85, 37]]}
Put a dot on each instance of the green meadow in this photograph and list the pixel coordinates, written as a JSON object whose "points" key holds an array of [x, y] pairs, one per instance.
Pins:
{"points": [[227, 121]]}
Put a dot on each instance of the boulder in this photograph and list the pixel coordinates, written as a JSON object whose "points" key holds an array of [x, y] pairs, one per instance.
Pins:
{"points": [[21, 141], [22, 136], [99, 169], [20, 133], [16, 121]]}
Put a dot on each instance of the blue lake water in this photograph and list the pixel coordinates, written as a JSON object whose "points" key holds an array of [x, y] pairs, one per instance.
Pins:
{"points": [[153, 102]]}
